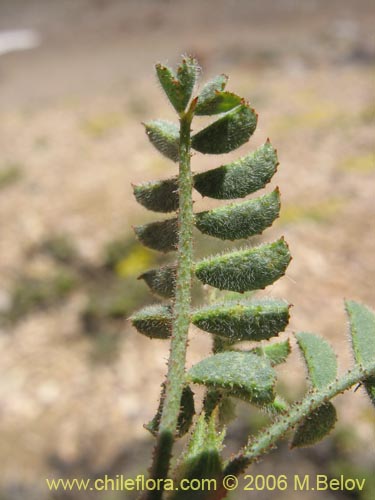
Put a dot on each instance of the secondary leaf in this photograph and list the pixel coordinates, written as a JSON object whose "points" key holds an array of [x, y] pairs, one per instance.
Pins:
{"points": [[322, 367], [159, 196], [179, 87], [241, 374], [362, 330], [241, 177], [244, 270], [240, 220], [316, 426], [227, 133], [154, 321], [219, 102], [243, 320], [161, 281], [165, 136], [161, 235], [276, 353], [320, 359]]}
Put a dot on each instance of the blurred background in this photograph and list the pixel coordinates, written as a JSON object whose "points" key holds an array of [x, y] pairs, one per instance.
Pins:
{"points": [[76, 80]]}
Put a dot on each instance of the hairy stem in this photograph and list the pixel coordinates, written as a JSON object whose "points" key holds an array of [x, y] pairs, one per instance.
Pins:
{"points": [[181, 313]]}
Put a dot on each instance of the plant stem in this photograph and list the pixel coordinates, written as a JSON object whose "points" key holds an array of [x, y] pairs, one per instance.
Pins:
{"points": [[181, 313]]}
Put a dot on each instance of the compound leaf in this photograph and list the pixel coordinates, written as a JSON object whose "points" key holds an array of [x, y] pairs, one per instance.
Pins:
{"points": [[245, 270], [316, 426], [153, 321], [161, 235], [240, 374], [159, 196], [161, 281], [243, 320], [240, 220], [228, 132], [241, 177], [165, 137], [319, 357], [179, 87]]}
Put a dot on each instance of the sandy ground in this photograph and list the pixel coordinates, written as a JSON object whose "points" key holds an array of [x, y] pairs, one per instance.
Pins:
{"points": [[70, 113]]}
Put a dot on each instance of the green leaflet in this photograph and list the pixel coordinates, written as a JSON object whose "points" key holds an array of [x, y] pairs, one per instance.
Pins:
{"points": [[161, 235], [161, 281], [362, 330], [185, 417], [276, 353], [243, 320], [165, 137], [320, 359], [241, 177], [219, 102], [202, 458], [179, 87], [322, 367], [159, 196], [154, 321], [240, 220], [228, 132], [316, 426], [244, 270], [241, 374], [209, 90]]}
